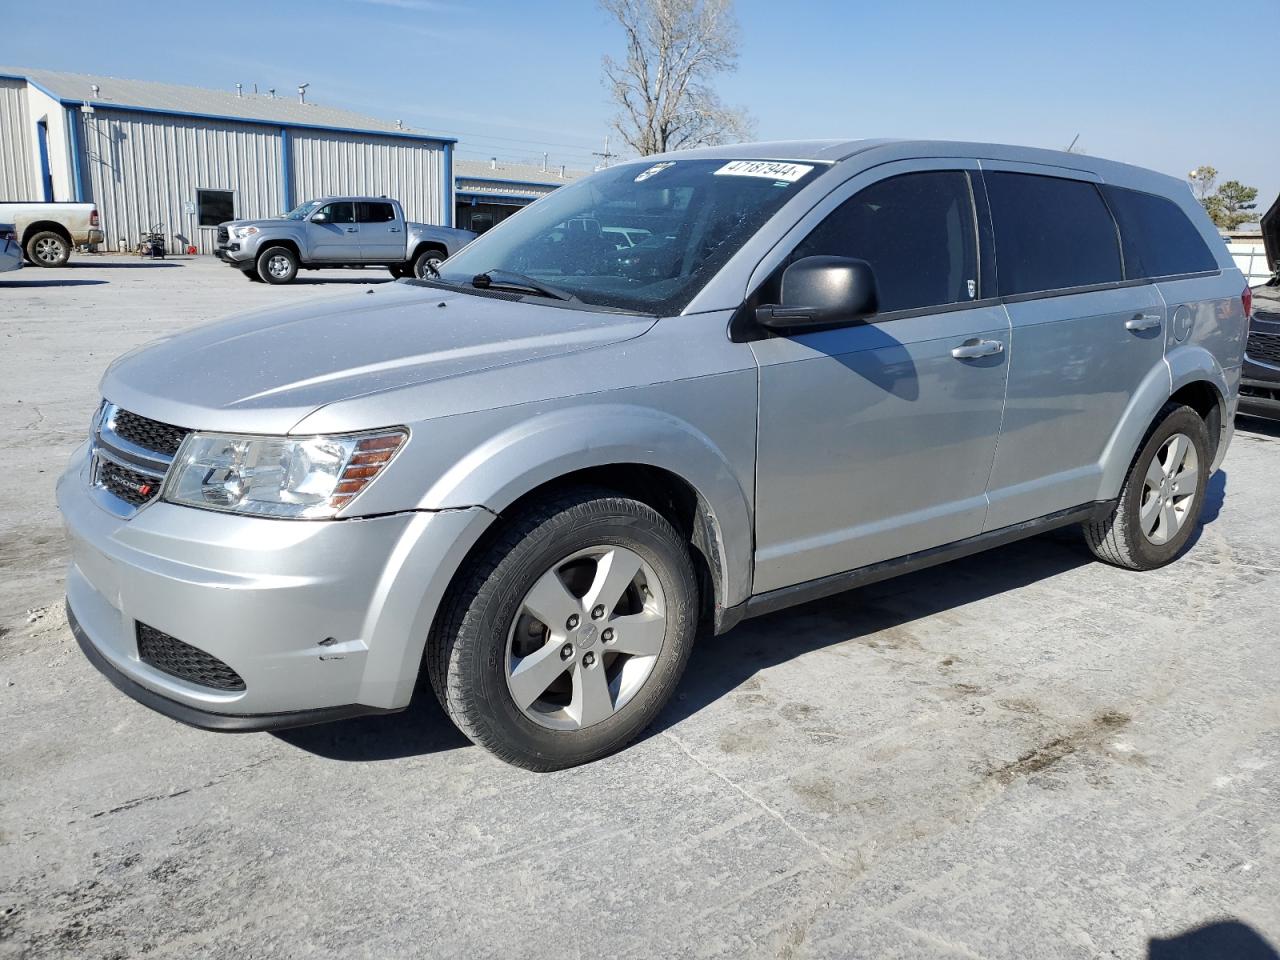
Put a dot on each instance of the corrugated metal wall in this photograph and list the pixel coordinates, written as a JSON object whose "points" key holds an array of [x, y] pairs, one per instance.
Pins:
{"points": [[141, 168], [18, 178], [328, 164]]}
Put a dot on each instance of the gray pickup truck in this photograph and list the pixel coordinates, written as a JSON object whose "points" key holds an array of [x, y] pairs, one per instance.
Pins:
{"points": [[337, 232]]}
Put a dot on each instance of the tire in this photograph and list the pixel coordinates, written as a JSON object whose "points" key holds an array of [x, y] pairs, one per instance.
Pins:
{"points": [[420, 264], [277, 265], [485, 629], [48, 249], [399, 271], [1150, 495], [252, 275]]}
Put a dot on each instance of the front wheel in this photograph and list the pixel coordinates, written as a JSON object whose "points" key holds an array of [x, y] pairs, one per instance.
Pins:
{"points": [[427, 264], [1163, 495], [563, 640], [277, 265]]}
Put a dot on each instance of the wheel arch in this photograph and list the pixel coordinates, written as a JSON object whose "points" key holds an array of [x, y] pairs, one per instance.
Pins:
{"points": [[43, 226], [642, 453], [1190, 375], [289, 243], [423, 246]]}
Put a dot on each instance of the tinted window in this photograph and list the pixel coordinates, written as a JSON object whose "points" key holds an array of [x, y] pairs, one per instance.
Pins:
{"points": [[1050, 233], [376, 212], [1158, 239], [643, 236], [215, 206], [343, 212], [917, 232]]}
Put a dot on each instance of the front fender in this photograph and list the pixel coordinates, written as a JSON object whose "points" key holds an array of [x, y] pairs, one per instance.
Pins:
{"points": [[526, 455]]}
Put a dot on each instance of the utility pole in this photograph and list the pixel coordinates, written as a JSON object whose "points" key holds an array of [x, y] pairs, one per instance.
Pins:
{"points": [[604, 156]]}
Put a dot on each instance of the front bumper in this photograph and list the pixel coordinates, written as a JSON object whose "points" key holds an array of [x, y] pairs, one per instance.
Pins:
{"points": [[321, 619], [233, 253]]}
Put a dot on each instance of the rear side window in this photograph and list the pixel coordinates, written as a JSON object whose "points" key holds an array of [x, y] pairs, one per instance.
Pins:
{"points": [[1051, 233], [375, 212], [918, 233], [1158, 239]]}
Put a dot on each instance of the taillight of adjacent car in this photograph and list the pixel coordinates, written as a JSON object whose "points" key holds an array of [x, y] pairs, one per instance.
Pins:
{"points": [[93, 218]]}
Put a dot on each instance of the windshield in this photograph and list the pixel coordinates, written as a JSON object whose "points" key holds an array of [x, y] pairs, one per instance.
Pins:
{"points": [[302, 211], [637, 237]]}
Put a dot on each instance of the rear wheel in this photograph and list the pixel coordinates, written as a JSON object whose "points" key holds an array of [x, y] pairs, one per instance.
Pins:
{"points": [[565, 638], [277, 265], [48, 249], [427, 263], [1163, 495]]}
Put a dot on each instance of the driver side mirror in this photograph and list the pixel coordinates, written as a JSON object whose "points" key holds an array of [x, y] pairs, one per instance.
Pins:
{"points": [[821, 291], [320, 218]]}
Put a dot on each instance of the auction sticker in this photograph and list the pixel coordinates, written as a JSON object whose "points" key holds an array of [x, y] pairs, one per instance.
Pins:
{"points": [[653, 171], [768, 169]]}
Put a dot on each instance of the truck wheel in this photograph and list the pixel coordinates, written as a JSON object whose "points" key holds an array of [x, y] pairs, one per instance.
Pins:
{"points": [[399, 271], [428, 263], [277, 265], [1163, 494], [48, 249], [252, 275], [561, 642]]}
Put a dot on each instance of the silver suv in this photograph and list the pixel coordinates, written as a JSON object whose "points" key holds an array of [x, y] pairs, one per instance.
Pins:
{"points": [[680, 392]]}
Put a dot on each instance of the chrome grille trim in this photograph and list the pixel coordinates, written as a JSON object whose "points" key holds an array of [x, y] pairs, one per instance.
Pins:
{"points": [[107, 446]]}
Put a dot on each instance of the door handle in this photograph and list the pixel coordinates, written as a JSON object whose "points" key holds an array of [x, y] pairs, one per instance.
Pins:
{"points": [[975, 348], [351, 229], [393, 230], [1142, 321]]}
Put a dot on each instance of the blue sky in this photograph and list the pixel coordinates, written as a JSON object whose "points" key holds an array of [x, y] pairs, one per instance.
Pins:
{"points": [[1168, 85]]}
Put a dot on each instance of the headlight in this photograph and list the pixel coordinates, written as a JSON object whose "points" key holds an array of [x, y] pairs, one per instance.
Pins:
{"points": [[244, 231], [306, 478]]}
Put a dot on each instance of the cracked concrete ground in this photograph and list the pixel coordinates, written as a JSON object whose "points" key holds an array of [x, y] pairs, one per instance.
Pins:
{"points": [[1023, 754]]}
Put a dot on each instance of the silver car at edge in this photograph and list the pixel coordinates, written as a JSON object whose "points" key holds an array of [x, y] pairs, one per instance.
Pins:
{"points": [[532, 479]]}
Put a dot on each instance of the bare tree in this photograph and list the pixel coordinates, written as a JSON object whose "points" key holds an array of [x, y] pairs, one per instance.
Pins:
{"points": [[663, 88]]}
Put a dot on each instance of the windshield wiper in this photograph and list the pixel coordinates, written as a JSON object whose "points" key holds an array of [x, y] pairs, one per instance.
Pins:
{"points": [[506, 280]]}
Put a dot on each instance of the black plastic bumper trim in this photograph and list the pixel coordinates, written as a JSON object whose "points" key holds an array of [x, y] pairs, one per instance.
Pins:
{"points": [[207, 719]]}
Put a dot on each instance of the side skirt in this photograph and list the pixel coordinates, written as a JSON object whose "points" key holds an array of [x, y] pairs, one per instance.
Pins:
{"points": [[784, 597]]}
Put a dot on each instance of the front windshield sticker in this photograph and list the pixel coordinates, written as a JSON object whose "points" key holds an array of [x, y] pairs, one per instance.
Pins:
{"points": [[653, 171], [768, 169]]}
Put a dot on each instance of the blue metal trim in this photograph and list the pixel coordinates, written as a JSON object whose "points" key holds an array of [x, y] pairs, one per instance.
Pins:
{"points": [[474, 198], [286, 168], [73, 130], [46, 179], [125, 108], [515, 183], [449, 192]]}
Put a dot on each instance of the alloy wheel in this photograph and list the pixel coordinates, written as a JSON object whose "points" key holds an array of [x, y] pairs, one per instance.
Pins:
{"points": [[586, 638], [48, 250], [1169, 489]]}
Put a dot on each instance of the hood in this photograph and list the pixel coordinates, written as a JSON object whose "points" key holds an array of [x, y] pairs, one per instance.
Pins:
{"points": [[268, 222], [265, 371]]}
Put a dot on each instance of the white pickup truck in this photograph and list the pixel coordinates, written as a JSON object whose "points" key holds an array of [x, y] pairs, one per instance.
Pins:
{"points": [[48, 231]]}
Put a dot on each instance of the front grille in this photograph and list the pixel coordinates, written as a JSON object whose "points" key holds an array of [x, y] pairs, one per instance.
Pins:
{"points": [[129, 485], [149, 434], [170, 655], [223, 235]]}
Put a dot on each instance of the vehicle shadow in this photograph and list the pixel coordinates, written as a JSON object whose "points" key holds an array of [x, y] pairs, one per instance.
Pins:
{"points": [[139, 265], [33, 284], [719, 665], [421, 729], [1222, 940], [325, 281], [1258, 425]]}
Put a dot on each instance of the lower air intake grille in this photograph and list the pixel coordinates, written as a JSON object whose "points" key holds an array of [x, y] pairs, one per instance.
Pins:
{"points": [[134, 488], [170, 655]]}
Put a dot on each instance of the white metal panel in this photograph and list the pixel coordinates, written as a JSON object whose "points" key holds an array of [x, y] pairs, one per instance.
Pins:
{"points": [[142, 169], [1251, 258], [412, 172], [18, 180]]}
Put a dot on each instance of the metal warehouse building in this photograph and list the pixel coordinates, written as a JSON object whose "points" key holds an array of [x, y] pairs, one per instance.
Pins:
{"points": [[489, 191], [192, 158]]}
